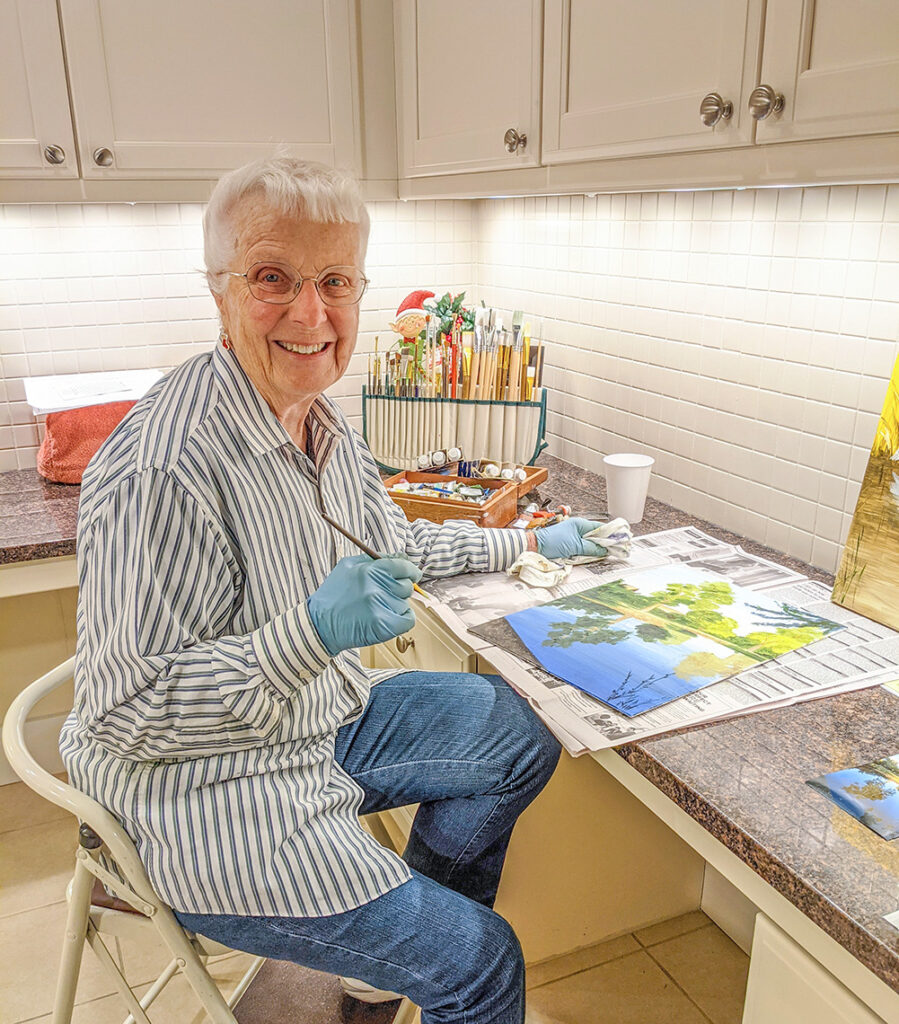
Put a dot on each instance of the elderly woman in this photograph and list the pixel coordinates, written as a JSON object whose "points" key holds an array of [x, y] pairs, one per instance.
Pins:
{"points": [[221, 710]]}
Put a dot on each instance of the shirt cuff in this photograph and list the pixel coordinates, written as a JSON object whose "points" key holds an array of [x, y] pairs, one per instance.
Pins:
{"points": [[503, 547], [289, 650]]}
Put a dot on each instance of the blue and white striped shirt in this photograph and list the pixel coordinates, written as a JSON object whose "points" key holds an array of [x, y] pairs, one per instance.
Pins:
{"points": [[205, 704]]}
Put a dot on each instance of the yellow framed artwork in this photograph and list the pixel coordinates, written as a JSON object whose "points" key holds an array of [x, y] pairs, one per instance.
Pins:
{"points": [[867, 581]]}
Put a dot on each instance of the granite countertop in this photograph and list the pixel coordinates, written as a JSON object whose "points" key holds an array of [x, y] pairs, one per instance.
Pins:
{"points": [[743, 780], [37, 518]]}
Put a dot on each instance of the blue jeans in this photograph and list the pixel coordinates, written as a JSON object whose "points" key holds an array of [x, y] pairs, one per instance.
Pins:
{"points": [[473, 754]]}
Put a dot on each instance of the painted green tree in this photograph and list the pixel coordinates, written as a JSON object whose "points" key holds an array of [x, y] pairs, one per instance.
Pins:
{"points": [[677, 613]]}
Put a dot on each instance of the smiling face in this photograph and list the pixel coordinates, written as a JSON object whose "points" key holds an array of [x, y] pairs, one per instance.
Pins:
{"points": [[291, 352]]}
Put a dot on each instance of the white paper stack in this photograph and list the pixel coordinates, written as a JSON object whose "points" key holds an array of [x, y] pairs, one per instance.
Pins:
{"points": [[75, 390]]}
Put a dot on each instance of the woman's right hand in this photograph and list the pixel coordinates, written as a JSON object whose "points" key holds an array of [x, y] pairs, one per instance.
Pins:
{"points": [[363, 601]]}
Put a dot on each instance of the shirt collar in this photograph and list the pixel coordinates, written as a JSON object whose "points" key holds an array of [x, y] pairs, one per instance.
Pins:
{"points": [[258, 424]]}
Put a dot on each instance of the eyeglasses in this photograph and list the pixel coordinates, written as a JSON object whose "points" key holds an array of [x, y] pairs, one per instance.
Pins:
{"points": [[280, 284]]}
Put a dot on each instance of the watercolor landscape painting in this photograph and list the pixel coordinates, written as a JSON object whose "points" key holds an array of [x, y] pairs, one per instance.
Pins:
{"points": [[660, 635], [868, 577], [869, 792]]}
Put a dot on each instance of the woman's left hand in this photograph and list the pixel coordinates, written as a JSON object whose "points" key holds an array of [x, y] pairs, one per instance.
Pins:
{"points": [[566, 539]]}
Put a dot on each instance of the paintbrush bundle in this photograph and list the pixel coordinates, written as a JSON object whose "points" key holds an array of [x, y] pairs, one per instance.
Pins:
{"points": [[479, 392], [491, 363], [398, 429]]}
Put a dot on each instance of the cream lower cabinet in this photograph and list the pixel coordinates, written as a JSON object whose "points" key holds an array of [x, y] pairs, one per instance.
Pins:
{"points": [[587, 860], [787, 986]]}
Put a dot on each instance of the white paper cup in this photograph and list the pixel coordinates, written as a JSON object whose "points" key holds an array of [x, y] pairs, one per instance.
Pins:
{"points": [[627, 481]]}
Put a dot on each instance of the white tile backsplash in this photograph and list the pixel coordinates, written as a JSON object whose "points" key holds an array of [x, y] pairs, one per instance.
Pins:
{"points": [[742, 337], [117, 286]]}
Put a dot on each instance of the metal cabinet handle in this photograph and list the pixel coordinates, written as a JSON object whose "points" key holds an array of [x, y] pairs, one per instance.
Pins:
{"points": [[55, 155], [514, 140], [764, 101], [403, 643], [103, 157], [714, 109]]}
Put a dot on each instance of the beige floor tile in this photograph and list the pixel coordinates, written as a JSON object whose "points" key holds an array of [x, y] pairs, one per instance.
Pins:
{"points": [[174, 1006], [37, 864], [629, 990], [671, 928], [30, 947], [21, 806], [710, 968], [580, 960]]}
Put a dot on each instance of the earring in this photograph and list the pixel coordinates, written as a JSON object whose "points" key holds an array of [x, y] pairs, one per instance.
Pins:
{"points": [[224, 339]]}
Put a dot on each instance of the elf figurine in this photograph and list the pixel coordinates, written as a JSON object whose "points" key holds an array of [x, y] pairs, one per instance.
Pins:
{"points": [[411, 315]]}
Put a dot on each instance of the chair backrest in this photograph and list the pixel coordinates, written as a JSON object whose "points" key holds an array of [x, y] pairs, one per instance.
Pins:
{"points": [[119, 846]]}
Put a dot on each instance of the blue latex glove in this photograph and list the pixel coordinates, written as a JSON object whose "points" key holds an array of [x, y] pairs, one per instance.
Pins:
{"points": [[363, 601], [566, 539]]}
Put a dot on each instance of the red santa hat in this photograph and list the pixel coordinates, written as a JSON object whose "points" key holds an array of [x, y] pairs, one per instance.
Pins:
{"points": [[414, 302]]}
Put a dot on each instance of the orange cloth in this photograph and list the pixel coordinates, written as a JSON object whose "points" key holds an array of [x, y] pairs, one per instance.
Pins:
{"points": [[72, 438]]}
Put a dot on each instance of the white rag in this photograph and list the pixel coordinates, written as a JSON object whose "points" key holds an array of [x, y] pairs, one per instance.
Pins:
{"points": [[538, 571]]}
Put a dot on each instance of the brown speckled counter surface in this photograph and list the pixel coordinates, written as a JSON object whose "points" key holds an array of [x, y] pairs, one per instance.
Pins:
{"points": [[743, 780], [37, 518]]}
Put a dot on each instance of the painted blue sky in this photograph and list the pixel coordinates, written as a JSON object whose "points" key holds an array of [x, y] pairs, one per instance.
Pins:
{"points": [[600, 668]]}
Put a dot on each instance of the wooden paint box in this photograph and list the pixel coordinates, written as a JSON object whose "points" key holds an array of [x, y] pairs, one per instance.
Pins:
{"points": [[498, 510]]}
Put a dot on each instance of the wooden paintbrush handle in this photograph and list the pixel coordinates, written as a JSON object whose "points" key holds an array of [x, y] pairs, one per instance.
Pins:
{"points": [[471, 379], [514, 380]]}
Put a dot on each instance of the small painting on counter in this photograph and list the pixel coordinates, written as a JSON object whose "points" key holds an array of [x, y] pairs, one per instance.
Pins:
{"points": [[662, 633], [869, 793], [868, 577]]}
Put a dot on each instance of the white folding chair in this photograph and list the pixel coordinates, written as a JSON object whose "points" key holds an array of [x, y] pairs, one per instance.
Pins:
{"points": [[101, 832]]}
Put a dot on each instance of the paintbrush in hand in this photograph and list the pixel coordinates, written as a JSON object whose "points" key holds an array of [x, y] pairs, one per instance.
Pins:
{"points": [[362, 546]]}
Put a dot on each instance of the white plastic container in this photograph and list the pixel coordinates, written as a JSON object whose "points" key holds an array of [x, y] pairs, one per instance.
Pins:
{"points": [[627, 483]]}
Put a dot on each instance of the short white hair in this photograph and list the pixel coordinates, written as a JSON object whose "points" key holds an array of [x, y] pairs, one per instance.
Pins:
{"points": [[287, 185]]}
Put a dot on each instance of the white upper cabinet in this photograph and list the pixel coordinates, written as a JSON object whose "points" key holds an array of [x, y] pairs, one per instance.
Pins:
{"points": [[836, 65], [170, 89], [628, 77], [467, 84], [36, 137]]}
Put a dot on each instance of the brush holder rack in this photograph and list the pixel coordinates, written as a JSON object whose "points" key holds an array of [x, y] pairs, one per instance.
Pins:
{"points": [[398, 429]]}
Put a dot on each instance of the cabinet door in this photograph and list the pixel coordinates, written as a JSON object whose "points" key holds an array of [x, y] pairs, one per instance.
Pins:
{"points": [[187, 90], [837, 66], [466, 72], [627, 77], [787, 986], [34, 102]]}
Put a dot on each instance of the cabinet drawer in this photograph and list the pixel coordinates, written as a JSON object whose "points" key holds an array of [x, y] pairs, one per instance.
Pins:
{"points": [[427, 647]]}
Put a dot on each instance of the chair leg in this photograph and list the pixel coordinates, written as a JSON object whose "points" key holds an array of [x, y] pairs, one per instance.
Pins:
{"points": [[153, 991], [244, 982], [192, 967], [106, 959], [73, 944]]}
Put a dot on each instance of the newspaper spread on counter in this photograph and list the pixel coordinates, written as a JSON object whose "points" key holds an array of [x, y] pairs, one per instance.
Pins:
{"points": [[864, 653]]}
